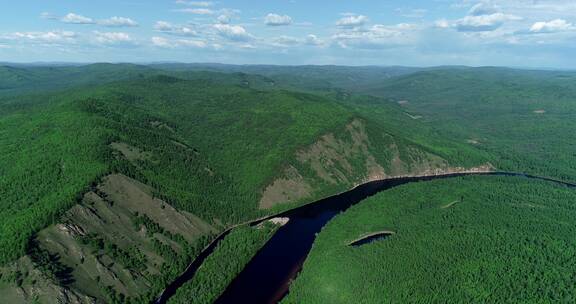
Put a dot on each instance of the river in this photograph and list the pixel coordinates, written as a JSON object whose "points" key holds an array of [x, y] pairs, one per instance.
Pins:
{"points": [[267, 277]]}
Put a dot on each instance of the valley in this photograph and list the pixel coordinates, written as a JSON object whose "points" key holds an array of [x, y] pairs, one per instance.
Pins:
{"points": [[112, 188]]}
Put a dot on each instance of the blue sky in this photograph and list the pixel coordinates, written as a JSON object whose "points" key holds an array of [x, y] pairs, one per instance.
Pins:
{"points": [[520, 33]]}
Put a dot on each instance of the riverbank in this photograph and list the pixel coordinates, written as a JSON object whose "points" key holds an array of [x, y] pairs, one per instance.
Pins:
{"points": [[335, 204]]}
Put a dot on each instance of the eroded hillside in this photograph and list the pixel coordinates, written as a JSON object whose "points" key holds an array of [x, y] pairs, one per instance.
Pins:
{"points": [[120, 242], [340, 160]]}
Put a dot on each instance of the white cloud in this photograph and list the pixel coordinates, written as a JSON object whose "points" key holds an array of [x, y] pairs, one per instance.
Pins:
{"points": [[224, 19], [378, 36], [554, 26], [352, 21], [161, 42], [118, 22], [76, 19], [277, 20], [226, 15], [312, 39], [196, 3], [442, 23], [49, 37], [197, 11], [192, 43], [169, 28], [233, 32], [112, 38], [166, 43], [483, 8], [482, 23]]}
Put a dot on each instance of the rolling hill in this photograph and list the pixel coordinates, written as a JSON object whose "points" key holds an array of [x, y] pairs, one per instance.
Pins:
{"points": [[520, 117], [200, 151]]}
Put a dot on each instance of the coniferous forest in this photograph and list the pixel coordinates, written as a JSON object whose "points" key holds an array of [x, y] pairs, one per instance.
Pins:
{"points": [[113, 182]]}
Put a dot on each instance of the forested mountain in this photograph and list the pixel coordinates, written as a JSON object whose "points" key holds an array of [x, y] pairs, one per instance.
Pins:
{"points": [[208, 144], [114, 177], [23, 79], [308, 77]]}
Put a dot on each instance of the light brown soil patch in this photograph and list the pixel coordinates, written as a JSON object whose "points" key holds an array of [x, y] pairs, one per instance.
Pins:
{"points": [[289, 188], [330, 157]]}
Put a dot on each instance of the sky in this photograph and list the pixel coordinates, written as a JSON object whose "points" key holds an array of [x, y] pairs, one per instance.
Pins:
{"points": [[516, 33]]}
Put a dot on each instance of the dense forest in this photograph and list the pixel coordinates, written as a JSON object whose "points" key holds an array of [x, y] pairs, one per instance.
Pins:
{"points": [[226, 144], [521, 118], [472, 239]]}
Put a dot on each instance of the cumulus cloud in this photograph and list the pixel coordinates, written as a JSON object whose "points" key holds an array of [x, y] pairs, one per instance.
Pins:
{"points": [[233, 32], [277, 20], [482, 17], [286, 41], [312, 39], [442, 23], [49, 37], [112, 38], [352, 21], [172, 29], [554, 26], [223, 19], [377, 36], [76, 19], [196, 3], [118, 22], [73, 18], [161, 42], [167, 43], [197, 11], [226, 15], [482, 23], [483, 8]]}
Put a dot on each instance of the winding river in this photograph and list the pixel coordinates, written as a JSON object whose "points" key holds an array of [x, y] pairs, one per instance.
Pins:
{"points": [[267, 277]]}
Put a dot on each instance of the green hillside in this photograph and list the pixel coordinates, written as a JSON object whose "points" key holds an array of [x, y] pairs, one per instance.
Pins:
{"points": [[308, 77], [16, 80], [463, 240], [216, 147], [522, 118]]}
